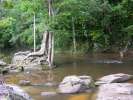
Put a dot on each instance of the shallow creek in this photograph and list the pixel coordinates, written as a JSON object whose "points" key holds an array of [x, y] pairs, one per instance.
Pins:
{"points": [[95, 65]]}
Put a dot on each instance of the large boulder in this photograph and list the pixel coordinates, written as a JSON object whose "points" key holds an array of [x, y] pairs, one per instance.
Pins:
{"points": [[22, 59], [3, 93], [74, 84], [16, 93], [13, 92], [115, 91], [114, 78], [18, 58]]}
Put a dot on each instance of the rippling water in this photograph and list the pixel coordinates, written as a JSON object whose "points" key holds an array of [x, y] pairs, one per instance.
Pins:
{"points": [[95, 65]]}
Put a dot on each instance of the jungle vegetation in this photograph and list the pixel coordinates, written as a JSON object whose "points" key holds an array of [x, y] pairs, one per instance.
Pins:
{"points": [[78, 25]]}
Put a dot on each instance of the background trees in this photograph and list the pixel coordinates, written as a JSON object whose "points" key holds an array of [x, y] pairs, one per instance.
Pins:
{"points": [[97, 24]]}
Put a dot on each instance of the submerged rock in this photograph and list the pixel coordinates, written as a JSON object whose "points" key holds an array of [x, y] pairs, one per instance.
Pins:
{"points": [[24, 82], [115, 91], [51, 84], [48, 93], [110, 61], [114, 78], [74, 84]]}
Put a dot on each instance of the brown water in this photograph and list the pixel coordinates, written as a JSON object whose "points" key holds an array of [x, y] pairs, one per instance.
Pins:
{"points": [[95, 65]]}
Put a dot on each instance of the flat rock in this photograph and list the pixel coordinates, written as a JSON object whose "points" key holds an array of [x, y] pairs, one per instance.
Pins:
{"points": [[110, 61], [48, 93], [115, 91], [74, 84], [114, 78], [51, 84]]}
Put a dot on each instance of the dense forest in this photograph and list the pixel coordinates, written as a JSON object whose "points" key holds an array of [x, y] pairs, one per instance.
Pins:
{"points": [[78, 25], [66, 49]]}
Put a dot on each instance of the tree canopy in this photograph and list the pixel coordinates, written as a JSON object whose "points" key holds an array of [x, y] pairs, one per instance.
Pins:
{"points": [[99, 24]]}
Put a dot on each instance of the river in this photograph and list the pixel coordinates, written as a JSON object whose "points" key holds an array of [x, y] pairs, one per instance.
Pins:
{"points": [[95, 65]]}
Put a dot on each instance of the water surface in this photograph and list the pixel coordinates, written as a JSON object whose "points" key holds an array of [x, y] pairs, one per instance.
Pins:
{"points": [[95, 65]]}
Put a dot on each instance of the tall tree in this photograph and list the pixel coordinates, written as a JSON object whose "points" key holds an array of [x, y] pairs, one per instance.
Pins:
{"points": [[47, 45]]}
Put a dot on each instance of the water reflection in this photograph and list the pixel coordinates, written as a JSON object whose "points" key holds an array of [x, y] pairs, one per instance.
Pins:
{"points": [[50, 75], [79, 97]]}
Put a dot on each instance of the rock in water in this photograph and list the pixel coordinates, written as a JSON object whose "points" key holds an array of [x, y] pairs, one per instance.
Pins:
{"points": [[18, 58], [3, 93], [70, 84], [24, 82], [115, 91], [22, 59], [74, 84], [48, 93], [13, 92], [2, 63], [114, 78], [16, 93], [86, 80]]}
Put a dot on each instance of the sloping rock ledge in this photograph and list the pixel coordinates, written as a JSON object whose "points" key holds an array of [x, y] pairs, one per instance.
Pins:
{"points": [[115, 91]]}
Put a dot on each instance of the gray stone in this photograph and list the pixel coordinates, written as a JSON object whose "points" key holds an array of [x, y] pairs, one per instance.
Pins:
{"points": [[21, 59], [110, 61], [16, 91], [14, 68], [2, 63], [4, 70], [50, 84], [18, 58], [115, 91], [13, 92], [114, 78], [86, 80], [3, 92], [48, 93], [74, 84], [14, 71]]}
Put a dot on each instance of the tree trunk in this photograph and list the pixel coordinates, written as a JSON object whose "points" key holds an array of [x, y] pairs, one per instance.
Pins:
{"points": [[51, 36], [74, 37], [47, 46], [34, 29]]}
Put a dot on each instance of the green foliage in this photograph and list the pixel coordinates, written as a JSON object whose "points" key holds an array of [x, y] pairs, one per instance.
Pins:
{"points": [[129, 30], [5, 22], [102, 23]]}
